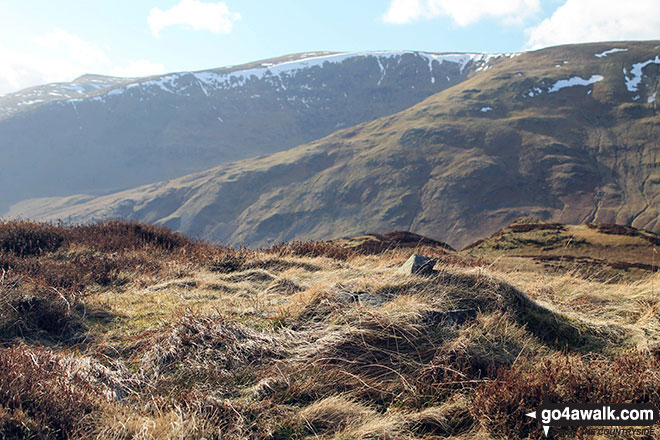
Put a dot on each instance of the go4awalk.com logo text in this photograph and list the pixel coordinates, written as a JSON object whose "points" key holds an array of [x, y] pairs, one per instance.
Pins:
{"points": [[628, 415]]}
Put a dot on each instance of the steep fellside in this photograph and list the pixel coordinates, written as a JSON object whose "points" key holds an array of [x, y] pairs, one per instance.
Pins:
{"points": [[568, 134], [99, 134]]}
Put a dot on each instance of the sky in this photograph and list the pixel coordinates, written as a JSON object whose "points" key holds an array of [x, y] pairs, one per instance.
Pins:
{"points": [[45, 41]]}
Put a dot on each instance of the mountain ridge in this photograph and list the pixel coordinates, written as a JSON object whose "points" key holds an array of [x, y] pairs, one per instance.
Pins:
{"points": [[560, 133], [101, 135], [105, 83]]}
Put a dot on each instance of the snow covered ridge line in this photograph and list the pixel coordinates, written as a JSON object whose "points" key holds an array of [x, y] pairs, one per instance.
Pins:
{"points": [[287, 66], [12, 103], [97, 89], [236, 78], [210, 79], [64, 89], [607, 52], [302, 63]]}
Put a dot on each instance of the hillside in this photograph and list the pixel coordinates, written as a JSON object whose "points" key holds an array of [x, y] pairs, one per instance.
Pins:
{"points": [[592, 250], [125, 330], [390, 240], [567, 134], [100, 134]]}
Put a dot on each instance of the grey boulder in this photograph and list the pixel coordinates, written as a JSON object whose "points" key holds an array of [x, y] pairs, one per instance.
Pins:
{"points": [[418, 265]]}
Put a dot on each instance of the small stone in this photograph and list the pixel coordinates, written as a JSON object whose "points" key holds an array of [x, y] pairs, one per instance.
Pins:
{"points": [[418, 265]]}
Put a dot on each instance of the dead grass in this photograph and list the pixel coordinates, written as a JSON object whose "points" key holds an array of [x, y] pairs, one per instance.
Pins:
{"points": [[333, 414]]}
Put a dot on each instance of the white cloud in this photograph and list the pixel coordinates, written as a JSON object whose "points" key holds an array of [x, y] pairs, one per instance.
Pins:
{"points": [[579, 21], [18, 71], [73, 45], [138, 68], [214, 17], [60, 56], [403, 11], [462, 12], [54, 56]]}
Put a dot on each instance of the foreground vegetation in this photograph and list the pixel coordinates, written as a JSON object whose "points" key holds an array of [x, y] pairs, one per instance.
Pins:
{"points": [[122, 330]]}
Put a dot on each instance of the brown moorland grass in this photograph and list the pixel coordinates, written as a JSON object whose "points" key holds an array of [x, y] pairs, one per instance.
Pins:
{"points": [[500, 405], [41, 399], [151, 335]]}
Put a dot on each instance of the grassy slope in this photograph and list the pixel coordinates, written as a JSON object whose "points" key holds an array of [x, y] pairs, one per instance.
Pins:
{"points": [[442, 168], [150, 334], [590, 250]]}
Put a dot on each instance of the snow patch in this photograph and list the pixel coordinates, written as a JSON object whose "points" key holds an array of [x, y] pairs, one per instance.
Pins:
{"points": [[485, 109], [632, 83], [607, 52], [163, 83], [651, 99], [484, 61], [534, 92], [76, 88], [382, 71], [574, 81], [33, 101]]}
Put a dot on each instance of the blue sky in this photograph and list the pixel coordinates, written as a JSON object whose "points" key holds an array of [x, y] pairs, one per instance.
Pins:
{"points": [[45, 41]]}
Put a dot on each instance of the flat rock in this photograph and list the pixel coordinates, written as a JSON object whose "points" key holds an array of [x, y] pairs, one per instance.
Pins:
{"points": [[418, 265]]}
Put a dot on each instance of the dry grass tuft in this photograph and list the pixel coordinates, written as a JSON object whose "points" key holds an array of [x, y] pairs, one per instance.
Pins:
{"points": [[206, 344], [45, 313], [333, 414], [451, 418]]}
